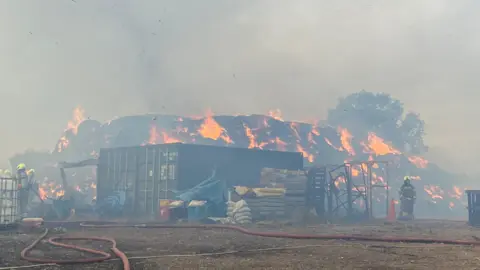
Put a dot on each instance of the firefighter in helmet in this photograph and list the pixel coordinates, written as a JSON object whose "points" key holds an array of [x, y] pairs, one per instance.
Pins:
{"points": [[23, 188], [408, 196]]}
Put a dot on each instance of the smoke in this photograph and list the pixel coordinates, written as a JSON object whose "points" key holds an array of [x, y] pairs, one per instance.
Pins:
{"points": [[120, 57]]}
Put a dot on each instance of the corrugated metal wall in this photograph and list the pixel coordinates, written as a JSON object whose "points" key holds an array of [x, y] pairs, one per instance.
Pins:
{"points": [[150, 173], [146, 174]]}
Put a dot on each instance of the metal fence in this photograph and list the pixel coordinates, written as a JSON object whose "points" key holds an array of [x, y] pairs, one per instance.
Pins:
{"points": [[8, 201]]}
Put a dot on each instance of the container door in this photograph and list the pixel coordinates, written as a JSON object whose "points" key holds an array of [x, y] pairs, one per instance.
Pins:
{"points": [[167, 173], [146, 204]]}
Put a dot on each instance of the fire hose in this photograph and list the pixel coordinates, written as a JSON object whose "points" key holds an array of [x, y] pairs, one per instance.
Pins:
{"points": [[126, 265]]}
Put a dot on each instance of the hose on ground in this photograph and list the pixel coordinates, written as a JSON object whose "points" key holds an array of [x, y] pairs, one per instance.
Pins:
{"points": [[290, 235], [106, 256], [54, 242]]}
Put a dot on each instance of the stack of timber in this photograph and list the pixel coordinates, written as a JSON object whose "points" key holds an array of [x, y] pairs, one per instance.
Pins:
{"points": [[289, 204]]}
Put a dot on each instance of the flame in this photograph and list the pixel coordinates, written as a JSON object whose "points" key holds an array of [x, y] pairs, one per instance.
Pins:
{"points": [[377, 146], [456, 193], [42, 193], [78, 118], [435, 192], [60, 193], [153, 135], [346, 139], [275, 114], [421, 163], [250, 136], [305, 154], [212, 130], [62, 144], [156, 136], [331, 144]]}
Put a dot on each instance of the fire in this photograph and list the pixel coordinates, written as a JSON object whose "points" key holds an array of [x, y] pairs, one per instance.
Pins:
{"points": [[331, 144], [153, 135], [212, 130], [435, 192], [250, 136], [78, 118], [275, 114], [346, 139], [60, 193], [305, 154], [168, 139], [62, 144], [42, 193], [377, 146], [418, 161], [456, 193], [156, 136]]}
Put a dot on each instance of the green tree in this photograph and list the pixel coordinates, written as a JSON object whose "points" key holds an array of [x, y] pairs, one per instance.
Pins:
{"points": [[364, 111]]}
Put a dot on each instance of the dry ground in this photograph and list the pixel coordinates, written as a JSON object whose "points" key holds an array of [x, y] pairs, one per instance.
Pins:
{"points": [[237, 251]]}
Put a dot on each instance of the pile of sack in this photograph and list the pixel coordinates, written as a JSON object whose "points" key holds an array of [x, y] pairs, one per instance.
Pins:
{"points": [[239, 212]]}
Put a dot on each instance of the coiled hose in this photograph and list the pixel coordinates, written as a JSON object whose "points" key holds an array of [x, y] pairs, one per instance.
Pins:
{"points": [[126, 265], [53, 241]]}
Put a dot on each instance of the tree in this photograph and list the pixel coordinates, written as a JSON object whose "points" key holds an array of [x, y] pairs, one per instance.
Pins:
{"points": [[364, 111]]}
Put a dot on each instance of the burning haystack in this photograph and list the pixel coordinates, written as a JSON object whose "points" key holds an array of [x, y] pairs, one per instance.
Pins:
{"points": [[319, 144]]}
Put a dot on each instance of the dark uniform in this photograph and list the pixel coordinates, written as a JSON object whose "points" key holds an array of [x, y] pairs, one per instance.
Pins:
{"points": [[408, 195]]}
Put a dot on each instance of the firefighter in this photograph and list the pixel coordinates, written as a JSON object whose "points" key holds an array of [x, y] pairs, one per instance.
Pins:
{"points": [[23, 188], [408, 196]]}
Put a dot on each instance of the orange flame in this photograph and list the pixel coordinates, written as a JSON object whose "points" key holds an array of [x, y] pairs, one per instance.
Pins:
{"points": [[78, 118], [435, 192], [418, 161], [212, 130], [346, 139], [377, 146], [275, 114], [42, 193], [305, 154]]}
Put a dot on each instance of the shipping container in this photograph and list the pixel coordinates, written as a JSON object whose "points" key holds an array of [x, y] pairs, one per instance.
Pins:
{"points": [[148, 174]]}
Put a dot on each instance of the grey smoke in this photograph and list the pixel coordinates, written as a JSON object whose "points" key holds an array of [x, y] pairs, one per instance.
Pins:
{"points": [[120, 57]]}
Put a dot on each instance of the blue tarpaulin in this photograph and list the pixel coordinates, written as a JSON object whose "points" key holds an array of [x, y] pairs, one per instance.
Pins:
{"points": [[211, 190]]}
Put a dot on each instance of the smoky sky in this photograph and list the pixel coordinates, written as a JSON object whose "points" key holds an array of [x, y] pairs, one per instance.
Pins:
{"points": [[119, 57]]}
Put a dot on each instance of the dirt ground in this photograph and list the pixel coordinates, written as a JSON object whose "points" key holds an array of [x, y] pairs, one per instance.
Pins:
{"points": [[220, 249]]}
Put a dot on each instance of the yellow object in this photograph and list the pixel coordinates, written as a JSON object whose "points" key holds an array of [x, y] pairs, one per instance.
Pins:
{"points": [[406, 178], [164, 203], [31, 171], [240, 190], [269, 192], [21, 166], [196, 203], [176, 204]]}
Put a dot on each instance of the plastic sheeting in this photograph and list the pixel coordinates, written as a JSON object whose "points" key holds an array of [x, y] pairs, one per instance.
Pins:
{"points": [[211, 190]]}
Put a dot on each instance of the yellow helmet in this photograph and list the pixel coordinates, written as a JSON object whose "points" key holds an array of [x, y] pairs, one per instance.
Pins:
{"points": [[406, 178], [21, 166]]}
